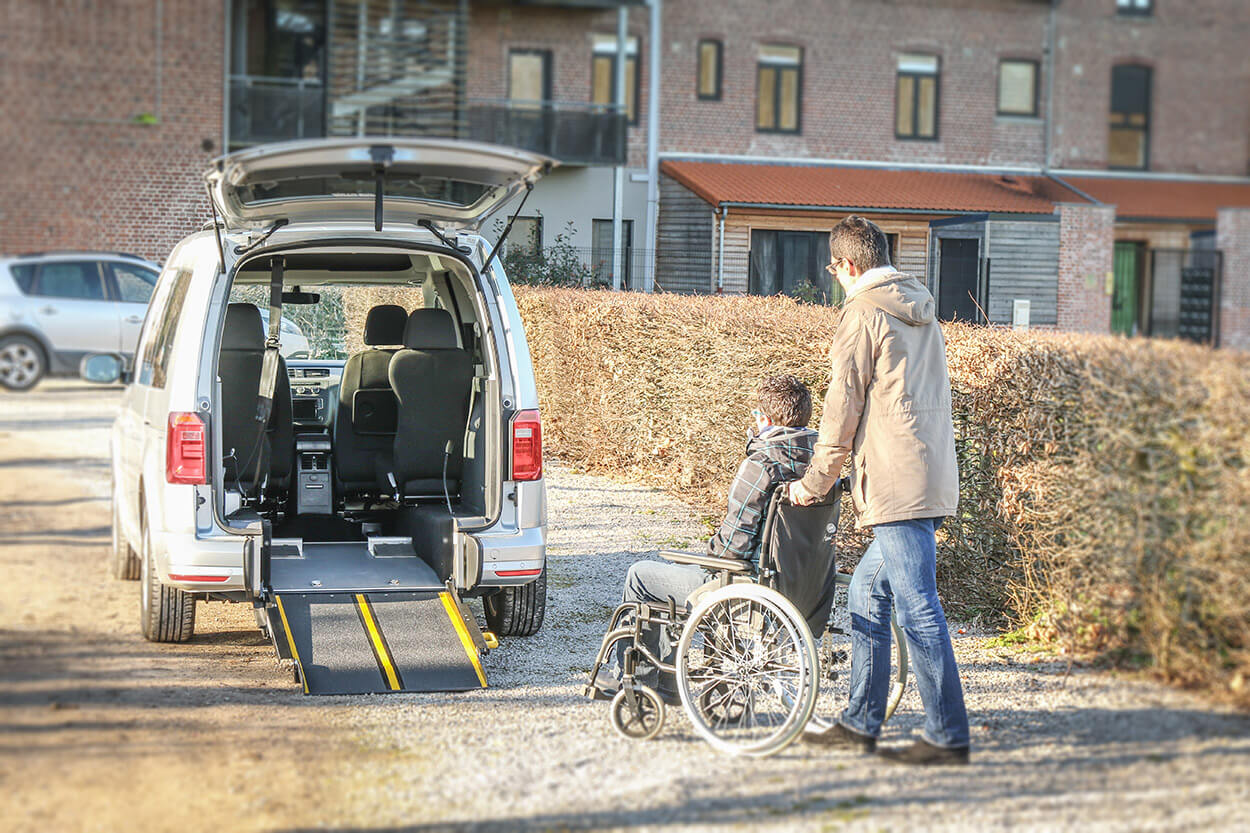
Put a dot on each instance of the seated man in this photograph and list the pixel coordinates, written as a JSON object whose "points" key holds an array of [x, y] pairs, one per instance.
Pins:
{"points": [[778, 450]]}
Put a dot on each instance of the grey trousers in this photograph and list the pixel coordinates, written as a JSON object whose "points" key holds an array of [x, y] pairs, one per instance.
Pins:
{"points": [[657, 582]]}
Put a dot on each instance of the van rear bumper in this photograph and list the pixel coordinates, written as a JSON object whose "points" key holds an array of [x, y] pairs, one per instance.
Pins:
{"points": [[513, 557], [201, 564]]}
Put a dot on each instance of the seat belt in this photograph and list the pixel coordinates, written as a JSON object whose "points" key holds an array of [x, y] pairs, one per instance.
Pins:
{"points": [[269, 365]]}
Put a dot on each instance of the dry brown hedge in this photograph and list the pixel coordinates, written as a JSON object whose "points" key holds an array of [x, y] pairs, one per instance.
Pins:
{"points": [[1104, 481]]}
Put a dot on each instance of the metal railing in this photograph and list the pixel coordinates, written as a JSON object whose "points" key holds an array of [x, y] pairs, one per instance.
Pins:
{"points": [[574, 133], [266, 109]]}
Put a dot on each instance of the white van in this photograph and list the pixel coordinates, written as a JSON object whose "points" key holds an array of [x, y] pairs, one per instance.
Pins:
{"points": [[357, 496]]}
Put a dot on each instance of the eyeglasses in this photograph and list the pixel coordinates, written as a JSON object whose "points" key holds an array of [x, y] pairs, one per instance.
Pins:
{"points": [[832, 268]]}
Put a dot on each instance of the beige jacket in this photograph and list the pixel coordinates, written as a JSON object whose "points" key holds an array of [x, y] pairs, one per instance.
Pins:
{"points": [[889, 404]]}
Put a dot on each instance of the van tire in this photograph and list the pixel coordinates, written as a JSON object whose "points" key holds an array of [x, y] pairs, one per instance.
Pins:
{"points": [[166, 614], [517, 611], [22, 362], [126, 564]]}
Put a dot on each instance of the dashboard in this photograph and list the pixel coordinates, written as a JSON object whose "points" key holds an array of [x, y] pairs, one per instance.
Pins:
{"points": [[314, 391]]}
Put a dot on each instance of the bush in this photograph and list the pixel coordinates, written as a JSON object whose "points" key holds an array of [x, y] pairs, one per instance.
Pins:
{"points": [[1103, 480]]}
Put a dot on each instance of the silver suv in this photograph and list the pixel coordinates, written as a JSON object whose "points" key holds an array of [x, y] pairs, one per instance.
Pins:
{"points": [[57, 307], [355, 497]]}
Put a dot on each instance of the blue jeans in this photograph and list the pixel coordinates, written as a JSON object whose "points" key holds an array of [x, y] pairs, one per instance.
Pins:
{"points": [[657, 582], [899, 570]]}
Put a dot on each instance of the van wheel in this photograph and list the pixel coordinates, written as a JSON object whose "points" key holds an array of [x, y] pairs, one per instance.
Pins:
{"points": [[22, 362], [166, 614], [517, 611], [126, 564]]}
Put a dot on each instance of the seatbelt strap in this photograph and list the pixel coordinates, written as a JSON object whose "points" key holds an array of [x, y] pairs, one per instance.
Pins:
{"points": [[269, 368], [469, 433], [269, 365]]}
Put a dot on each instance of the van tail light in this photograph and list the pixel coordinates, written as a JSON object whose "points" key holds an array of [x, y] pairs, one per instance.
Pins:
{"points": [[184, 449], [527, 446]]}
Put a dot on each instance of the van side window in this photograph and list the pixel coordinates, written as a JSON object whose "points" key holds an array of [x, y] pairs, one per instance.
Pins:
{"points": [[156, 340]]}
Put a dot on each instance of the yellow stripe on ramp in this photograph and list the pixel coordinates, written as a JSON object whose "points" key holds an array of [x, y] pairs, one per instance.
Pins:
{"points": [[286, 626], [379, 646], [457, 622]]}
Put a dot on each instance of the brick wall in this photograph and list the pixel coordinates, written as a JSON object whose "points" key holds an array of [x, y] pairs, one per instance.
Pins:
{"points": [[1201, 82], [1232, 236], [82, 169], [1086, 249]]}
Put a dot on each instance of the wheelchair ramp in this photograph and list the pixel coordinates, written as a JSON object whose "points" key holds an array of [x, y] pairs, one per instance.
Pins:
{"points": [[378, 643]]}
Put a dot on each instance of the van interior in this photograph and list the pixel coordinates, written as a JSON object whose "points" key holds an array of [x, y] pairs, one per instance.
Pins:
{"points": [[383, 425]]}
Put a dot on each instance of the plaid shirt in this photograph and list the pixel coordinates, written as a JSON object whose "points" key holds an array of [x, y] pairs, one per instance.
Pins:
{"points": [[775, 456]]}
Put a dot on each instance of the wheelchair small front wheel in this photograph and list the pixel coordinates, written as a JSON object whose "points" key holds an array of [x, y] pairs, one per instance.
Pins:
{"points": [[637, 714]]}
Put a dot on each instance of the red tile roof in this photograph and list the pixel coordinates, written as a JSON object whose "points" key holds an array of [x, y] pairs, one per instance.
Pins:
{"points": [[868, 188], [1157, 199]]}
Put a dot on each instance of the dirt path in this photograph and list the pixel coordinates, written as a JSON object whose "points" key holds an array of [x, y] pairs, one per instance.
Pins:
{"points": [[100, 730]]}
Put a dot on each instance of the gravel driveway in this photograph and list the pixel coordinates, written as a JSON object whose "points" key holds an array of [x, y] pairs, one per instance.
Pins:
{"points": [[100, 730]]}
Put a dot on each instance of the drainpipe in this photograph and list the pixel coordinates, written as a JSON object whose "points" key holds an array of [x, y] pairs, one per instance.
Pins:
{"points": [[618, 175], [1051, 24], [653, 142], [720, 259]]}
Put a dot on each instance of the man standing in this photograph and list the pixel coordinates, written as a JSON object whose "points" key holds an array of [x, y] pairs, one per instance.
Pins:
{"points": [[889, 404]]}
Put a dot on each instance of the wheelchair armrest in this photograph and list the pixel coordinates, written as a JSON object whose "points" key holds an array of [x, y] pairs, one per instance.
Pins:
{"points": [[708, 562]]}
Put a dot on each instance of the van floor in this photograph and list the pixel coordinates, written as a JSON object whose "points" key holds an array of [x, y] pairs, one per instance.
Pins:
{"points": [[318, 528], [349, 566]]}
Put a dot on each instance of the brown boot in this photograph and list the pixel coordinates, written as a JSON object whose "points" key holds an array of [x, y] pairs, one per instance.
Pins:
{"points": [[926, 754], [839, 736]]}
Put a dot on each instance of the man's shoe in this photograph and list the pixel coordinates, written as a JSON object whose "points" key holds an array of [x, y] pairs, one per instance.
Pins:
{"points": [[839, 736], [604, 686], [926, 754]]}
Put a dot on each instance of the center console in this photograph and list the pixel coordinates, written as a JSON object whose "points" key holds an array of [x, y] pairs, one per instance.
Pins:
{"points": [[315, 492]]}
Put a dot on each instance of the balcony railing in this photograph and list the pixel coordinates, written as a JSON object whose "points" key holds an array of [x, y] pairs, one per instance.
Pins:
{"points": [[264, 109], [573, 133]]}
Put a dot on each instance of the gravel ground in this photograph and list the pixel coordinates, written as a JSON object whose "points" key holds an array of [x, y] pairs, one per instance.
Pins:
{"points": [[100, 730]]}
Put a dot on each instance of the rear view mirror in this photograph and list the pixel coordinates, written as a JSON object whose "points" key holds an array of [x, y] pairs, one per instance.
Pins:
{"points": [[102, 368], [297, 297]]}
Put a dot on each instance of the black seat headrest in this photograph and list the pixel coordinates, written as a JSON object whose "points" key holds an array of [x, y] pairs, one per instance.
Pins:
{"points": [[430, 329], [385, 325], [244, 328]]}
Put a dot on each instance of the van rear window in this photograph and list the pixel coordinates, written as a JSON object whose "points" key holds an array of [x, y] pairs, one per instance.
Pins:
{"points": [[432, 189]]}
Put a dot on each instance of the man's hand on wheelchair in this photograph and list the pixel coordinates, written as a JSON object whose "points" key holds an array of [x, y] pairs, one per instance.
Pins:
{"points": [[799, 496]]}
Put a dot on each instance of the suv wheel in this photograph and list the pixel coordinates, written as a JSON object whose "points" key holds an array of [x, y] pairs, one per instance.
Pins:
{"points": [[166, 614], [22, 362], [517, 611], [126, 563]]}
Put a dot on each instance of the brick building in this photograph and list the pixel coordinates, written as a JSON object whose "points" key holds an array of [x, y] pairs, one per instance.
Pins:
{"points": [[1088, 157]]}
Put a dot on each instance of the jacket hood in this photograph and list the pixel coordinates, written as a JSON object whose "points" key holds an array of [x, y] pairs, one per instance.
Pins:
{"points": [[783, 443], [899, 294]]}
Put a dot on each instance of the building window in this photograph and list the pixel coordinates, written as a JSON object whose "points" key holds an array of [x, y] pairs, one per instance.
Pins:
{"points": [[529, 76], [710, 54], [1017, 88], [779, 89], [1128, 145], [1139, 7], [603, 74], [602, 254], [526, 237], [916, 97]]}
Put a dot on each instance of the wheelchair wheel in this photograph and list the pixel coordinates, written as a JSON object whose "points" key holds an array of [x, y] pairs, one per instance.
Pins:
{"points": [[835, 659], [637, 714], [747, 670]]}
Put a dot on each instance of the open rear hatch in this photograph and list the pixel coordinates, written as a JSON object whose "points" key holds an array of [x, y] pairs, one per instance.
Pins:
{"points": [[450, 182]]}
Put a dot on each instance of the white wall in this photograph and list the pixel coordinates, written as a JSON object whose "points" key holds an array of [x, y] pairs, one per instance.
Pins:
{"points": [[580, 195]]}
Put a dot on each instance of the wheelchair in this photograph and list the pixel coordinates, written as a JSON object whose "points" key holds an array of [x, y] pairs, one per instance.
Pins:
{"points": [[747, 667]]}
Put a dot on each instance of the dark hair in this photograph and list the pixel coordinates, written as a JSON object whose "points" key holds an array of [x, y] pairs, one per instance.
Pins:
{"points": [[785, 400], [859, 241]]}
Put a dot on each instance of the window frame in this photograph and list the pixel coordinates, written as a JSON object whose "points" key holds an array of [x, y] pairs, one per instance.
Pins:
{"points": [[548, 60], [613, 56], [720, 70], [1144, 128], [998, 104], [798, 92], [936, 75], [1131, 9]]}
